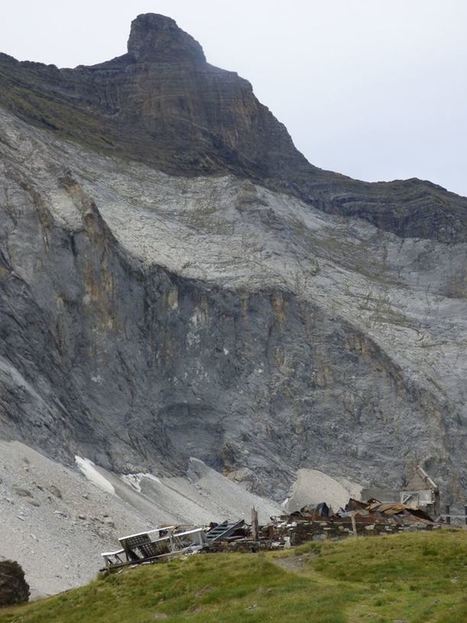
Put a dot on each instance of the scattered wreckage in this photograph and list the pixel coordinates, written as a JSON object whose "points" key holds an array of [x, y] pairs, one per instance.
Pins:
{"points": [[356, 519], [154, 545], [310, 523], [167, 542]]}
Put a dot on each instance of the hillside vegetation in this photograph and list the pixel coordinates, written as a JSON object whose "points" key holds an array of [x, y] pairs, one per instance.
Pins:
{"points": [[413, 578]]}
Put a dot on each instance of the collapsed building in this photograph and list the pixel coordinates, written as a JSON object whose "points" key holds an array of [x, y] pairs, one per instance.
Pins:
{"points": [[356, 519], [310, 523], [421, 492], [415, 507]]}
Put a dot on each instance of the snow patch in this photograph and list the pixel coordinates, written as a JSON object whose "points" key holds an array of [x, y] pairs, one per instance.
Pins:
{"points": [[89, 471], [134, 480]]}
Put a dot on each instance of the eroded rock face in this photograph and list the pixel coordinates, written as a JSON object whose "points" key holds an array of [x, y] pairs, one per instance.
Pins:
{"points": [[147, 318]]}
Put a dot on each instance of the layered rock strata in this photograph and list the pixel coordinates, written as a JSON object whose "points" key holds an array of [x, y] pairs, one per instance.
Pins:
{"points": [[177, 281]]}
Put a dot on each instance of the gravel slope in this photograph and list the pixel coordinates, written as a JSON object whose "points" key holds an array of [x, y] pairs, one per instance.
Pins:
{"points": [[56, 522]]}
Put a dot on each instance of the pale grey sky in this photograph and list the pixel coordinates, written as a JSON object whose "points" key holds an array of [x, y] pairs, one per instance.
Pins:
{"points": [[375, 89]]}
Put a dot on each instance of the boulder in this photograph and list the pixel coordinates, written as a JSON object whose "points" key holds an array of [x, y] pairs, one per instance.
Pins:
{"points": [[13, 587]]}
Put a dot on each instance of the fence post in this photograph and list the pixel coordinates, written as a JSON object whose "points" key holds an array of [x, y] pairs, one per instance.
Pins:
{"points": [[254, 524], [465, 513]]}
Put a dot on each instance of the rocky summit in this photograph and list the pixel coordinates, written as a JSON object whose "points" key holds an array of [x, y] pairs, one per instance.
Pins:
{"points": [[178, 281]]}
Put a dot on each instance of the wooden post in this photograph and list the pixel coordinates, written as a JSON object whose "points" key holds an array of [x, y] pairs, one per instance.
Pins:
{"points": [[465, 513], [254, 524], [354, 523], [448, 513]]}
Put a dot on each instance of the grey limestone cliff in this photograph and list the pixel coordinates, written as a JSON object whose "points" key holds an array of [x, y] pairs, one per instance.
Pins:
{"points": [[177, 281]]}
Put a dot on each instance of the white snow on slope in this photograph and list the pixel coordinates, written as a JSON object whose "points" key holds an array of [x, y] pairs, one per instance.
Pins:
{"points": [[135, 480], [89, 471]]}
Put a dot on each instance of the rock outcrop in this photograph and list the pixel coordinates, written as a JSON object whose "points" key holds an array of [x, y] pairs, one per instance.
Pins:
{"points": [[177, 280]]}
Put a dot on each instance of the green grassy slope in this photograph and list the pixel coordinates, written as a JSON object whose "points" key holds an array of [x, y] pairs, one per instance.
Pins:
{"points": [[413, 578]]}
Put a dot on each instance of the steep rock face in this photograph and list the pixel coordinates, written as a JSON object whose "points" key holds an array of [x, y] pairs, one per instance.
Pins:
{"points": [[163, 104], [159, 39], [147, 318], [178, 281]]}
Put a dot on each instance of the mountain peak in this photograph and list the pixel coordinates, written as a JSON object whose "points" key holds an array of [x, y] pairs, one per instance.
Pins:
{"points": [[163, 104], [158, 38]]}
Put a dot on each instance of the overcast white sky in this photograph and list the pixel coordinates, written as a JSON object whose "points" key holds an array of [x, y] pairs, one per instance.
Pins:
{"points": [[375, 89]]}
